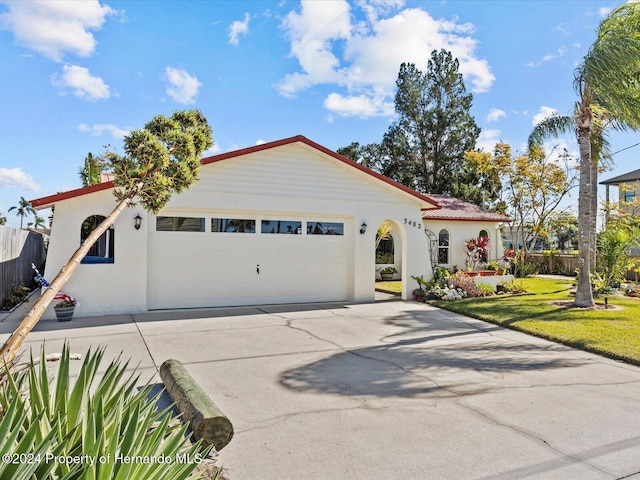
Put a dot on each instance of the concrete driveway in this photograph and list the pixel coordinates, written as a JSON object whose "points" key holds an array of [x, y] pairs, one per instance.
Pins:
{"points": [[391, 390]]}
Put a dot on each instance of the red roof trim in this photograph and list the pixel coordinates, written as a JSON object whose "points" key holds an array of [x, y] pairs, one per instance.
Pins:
{"points": [[52, 199], [46, 202]]}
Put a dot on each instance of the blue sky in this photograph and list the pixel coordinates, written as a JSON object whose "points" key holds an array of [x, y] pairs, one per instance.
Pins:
{"points": [[79, 75]]}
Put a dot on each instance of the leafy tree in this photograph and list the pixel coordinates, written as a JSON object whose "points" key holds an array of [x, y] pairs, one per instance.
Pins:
{"points": [[533, 186], [3, 220], [159, 160], [23, 209], [608, 85], [614, 244], [435, 127], [90, 172], [425, 148], [564, 225]]}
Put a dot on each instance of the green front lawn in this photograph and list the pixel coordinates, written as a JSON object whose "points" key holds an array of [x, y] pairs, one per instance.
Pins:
{"points": [[394, 286], [614, 332]]}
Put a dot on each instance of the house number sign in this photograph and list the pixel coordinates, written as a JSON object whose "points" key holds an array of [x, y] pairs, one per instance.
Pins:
{"points": [[413, 223]]}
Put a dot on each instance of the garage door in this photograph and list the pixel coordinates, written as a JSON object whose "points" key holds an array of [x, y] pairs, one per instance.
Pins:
{"points": [[224, 260]]}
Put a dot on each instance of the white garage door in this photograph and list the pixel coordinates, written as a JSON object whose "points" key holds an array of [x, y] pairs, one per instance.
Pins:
{"points": [[224, 261]]}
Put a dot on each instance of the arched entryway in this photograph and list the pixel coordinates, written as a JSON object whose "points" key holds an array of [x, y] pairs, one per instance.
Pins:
{"points": [[389, 262]]}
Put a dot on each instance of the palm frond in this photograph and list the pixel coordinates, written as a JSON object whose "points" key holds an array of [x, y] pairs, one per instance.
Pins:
{"points": [[552, 127]]}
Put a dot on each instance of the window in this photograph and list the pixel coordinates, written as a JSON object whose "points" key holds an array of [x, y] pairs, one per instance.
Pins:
{"points": [[282, 227], [326, 228], [443, 247], [629, 196], [233, 225], [101, 251], [179, 224]]}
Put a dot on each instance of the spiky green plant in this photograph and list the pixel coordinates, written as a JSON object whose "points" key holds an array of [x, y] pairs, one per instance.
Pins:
{"points": [[114, 430]]}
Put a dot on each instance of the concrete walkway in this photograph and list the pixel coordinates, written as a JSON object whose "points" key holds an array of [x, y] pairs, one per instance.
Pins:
{"points": [[392, 390]]}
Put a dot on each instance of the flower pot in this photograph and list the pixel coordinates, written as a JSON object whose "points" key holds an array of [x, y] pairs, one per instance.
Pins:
{"points": [[500, 272], [64, 314], [487, 273], [470, 274], [386, 276]]}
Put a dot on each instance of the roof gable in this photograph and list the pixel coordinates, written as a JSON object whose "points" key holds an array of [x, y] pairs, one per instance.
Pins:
{"points": [[425, 200]]}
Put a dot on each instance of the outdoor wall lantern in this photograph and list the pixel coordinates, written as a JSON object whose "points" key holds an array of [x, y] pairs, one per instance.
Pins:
{"points": [[138, 220], [363, 228]]}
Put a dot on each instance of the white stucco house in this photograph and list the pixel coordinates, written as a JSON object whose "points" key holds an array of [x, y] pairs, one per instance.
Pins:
{"points": [[288, 221], [283, 222]]}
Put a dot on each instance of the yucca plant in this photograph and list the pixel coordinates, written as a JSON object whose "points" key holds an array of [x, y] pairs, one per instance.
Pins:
{"points": [[100, 427]]}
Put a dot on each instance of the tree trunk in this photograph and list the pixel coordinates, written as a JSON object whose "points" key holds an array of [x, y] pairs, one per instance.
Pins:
{"points": [[593, 238], [584, 295], [13, 344]]}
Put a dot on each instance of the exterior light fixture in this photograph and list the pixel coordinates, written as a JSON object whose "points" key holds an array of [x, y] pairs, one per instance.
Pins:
{"points": [[138, 220], [363, 228]]}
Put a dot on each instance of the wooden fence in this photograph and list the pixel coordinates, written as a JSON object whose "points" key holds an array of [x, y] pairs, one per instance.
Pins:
{"points": [[18, 250], [558, 263], [565, 264]]}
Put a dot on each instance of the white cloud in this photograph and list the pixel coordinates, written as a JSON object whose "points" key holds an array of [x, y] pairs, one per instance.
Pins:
{"points": [[495, 114], [84, 84], [183, 88], [544, 112], [551, 56], [604, 11], [488, 139], [364, 57], [15, 177], [238, 28], [55, 28], [99, 128], [361, 105]]}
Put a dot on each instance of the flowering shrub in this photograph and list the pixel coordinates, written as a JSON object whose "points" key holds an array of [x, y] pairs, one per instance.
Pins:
{"points": [[477, 252], [460, 281], [446, 293]]}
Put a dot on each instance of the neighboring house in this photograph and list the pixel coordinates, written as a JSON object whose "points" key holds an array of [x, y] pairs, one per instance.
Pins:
{"points": [[628, 192], [283, 222], [456, 222]]}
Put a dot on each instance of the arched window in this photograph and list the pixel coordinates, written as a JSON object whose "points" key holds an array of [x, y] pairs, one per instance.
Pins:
{"points": [[102, 250], [443, 247], [483, 233]]}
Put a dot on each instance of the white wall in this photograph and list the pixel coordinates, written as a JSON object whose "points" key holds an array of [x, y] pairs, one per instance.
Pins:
{"points": [[101, 289], [291, 179], [460, 232]]}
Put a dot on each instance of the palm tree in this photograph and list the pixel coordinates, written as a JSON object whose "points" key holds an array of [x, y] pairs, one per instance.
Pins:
{"points": [[23, 209], [90, 172], [39, 223], [608, 85]]}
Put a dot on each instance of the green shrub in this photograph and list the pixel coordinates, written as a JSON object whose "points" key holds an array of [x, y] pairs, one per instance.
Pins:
{"points": [[17, 295], [97, 417]]}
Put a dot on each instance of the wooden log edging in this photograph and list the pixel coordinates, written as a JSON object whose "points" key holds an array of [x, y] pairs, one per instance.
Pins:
{"points": [[206, 420]]}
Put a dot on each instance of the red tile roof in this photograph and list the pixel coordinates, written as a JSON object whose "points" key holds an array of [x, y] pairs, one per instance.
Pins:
{"points": [[454, 209], [45, 202]]}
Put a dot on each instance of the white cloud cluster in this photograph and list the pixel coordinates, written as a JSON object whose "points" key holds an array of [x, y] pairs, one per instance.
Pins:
{"points": [[15, 177], [55, 28], [183, 87], [364, 56], [495, 114], [544, 112], [99, 128], [238, 28], [83, 84]]}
